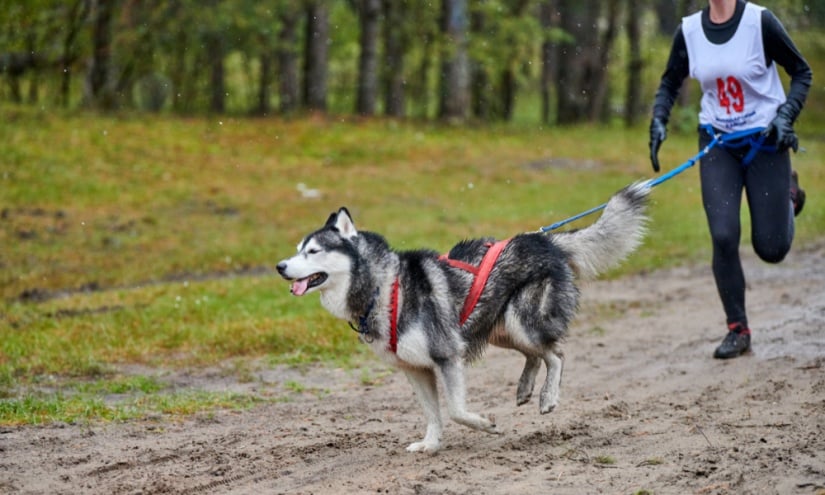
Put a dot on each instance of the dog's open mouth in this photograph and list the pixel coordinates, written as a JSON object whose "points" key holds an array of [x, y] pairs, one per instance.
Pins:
{"points": [[302, 285]]}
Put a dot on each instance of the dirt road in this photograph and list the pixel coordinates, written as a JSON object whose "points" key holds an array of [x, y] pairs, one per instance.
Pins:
{"points": [[644, 409]]}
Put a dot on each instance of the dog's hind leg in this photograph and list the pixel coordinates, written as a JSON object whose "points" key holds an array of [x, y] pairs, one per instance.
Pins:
{"points": [[550, 391], [528, 379], [452, 376], [423, 382]]}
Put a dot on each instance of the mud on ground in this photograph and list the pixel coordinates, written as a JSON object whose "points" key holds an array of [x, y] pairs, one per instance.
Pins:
{"points": [[645, 409]]}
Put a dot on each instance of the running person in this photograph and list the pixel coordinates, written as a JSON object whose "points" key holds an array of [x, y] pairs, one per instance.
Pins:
{"points": [[732, 47]]}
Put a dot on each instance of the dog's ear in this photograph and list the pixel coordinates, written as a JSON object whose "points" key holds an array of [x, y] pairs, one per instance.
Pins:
{"points": [[343, 222]]}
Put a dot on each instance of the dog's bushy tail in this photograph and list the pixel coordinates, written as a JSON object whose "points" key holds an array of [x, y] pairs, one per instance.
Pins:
{"points": [[606, 243]]}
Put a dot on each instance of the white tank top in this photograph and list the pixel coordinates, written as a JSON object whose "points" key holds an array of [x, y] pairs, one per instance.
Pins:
{"points": [[739, 91]]}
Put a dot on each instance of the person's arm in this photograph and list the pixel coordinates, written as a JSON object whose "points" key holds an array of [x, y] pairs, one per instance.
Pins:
{"points": [[780, 48], [676, 71]]}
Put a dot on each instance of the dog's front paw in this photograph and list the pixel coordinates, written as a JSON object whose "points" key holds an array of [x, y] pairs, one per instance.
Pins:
{"points": [[491, 427], [548, 404], [523, 398], [424, 446]]}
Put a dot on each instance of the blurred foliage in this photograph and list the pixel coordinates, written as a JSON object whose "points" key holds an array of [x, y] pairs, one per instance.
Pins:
{"points": [[162, 49]]}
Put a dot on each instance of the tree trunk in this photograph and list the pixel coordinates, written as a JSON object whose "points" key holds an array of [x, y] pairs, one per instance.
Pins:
{"points": [[570, 103], [264, 81], [78, 12], [455, 95], [633, 105], [100, 94], [181, 96], [369, 16], [315, 68], [598, 105], [288, 85], [215, 49], [508, 93], [549, 20], [135, 66], [34, 83], [581, 79], [14, 87], [509, 80], [667, 14], [177, 67], [395, 50], [481, 87]]}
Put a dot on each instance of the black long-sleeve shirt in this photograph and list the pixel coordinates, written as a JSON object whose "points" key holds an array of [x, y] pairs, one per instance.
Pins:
{"points": [[778, 48]]}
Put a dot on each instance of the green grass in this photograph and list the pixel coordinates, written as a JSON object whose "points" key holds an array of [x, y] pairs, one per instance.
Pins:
{"points": [[151, 240], [39, 408], [111, 398]]}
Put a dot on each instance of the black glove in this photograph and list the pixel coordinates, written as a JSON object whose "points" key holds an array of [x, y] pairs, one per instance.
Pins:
{"points": [[658, 133], [781, 127]]}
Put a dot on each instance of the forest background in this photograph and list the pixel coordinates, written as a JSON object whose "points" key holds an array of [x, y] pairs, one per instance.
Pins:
{"points": [[535, 61]]}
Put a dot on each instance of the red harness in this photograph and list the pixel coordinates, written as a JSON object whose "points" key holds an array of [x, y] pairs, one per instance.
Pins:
{"points": [[480, 275], [394, 316]]}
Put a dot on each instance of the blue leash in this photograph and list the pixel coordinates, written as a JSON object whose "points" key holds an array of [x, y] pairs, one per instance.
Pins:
{"points": [[717, 138]]}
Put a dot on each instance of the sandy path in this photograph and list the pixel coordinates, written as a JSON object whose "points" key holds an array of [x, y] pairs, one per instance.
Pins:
{"points": [[644, 407]]}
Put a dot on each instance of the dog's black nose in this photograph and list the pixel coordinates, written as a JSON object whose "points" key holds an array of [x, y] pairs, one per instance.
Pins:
{"points": [[281, 268]]}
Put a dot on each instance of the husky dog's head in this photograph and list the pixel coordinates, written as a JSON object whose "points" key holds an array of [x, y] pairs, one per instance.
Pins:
{"points": [[324, 258]]}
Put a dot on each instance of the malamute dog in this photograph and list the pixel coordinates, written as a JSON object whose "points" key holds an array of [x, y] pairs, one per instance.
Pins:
{"points": [[430, 314]]}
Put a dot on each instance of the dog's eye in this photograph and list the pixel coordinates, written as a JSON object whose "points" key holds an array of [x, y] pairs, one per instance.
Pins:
{"points": [[313, 251]]}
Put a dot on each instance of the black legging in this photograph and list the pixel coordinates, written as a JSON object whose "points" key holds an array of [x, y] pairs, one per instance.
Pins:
{"points": [[766, 180]]}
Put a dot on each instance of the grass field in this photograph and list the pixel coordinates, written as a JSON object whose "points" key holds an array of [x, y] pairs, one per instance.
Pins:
{"points": [[135, 240]]}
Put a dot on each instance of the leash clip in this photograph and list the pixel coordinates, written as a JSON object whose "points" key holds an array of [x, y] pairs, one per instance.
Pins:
{"points": [[364, 335]]}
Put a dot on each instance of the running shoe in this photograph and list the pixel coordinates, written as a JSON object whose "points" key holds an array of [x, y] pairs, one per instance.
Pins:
{"points": [[736, 342]]}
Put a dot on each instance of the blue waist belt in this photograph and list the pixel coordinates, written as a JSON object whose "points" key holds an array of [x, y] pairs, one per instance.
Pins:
{"points": [[753, 138]]}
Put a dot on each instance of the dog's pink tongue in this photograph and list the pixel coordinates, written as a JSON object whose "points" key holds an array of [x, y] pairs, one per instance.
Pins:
{"points": [[299, 287]]}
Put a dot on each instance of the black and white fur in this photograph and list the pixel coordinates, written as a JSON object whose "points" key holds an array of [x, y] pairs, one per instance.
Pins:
{"points": [[529, 300]]}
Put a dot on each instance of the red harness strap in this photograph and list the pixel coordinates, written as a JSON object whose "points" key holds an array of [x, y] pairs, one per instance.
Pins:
{"points": [[393, 344], [481, 273]]}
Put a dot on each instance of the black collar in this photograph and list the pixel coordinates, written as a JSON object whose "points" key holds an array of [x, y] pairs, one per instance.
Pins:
{"points": [[363, 328]]}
